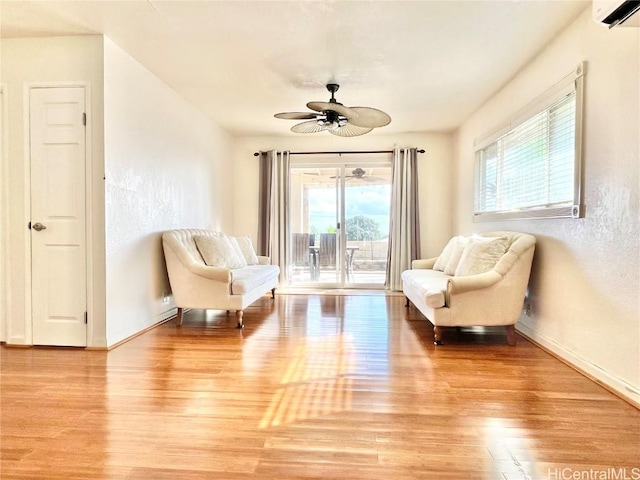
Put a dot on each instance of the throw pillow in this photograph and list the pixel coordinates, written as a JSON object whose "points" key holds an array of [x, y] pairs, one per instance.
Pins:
{"points": [[236, 248], [444, 257], [456, 254], [246, 246], [217, 251], [481, 254]]}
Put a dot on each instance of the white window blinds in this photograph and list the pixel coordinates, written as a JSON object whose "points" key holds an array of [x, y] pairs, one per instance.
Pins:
{"points": [[529, 168]]}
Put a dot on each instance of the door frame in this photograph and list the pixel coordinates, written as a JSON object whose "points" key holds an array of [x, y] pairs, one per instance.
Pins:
{"points": [[341, 162], [89, 251], [4, 216]]}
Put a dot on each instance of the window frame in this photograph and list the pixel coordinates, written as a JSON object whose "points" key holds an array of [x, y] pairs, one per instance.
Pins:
{"points": [[570, 83]]}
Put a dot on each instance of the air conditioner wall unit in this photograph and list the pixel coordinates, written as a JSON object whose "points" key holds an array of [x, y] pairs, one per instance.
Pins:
{"points": [[617, 12]]}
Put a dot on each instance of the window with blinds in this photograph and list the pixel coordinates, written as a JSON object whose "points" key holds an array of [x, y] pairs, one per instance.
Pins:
{"points": [[531, 167]]}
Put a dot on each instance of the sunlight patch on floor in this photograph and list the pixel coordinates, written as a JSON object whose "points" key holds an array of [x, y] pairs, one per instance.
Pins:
{"points": [[315, 382]]}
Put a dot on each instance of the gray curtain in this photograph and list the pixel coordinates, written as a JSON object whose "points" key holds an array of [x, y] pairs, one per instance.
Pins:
{"points": [[404, 225], [264, 203], [273, 215]]}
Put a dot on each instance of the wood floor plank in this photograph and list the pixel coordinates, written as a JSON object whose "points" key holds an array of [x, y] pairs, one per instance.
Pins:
{"points": [[314, 387]]}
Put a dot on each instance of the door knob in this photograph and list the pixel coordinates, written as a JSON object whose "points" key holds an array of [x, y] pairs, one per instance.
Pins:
{"points": [[38, 226]]}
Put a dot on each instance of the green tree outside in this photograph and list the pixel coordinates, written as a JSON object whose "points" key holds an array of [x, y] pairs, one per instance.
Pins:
{"points": [[361, 228]]}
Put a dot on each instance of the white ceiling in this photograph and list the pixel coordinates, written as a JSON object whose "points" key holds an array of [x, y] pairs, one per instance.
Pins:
{"points": [[429, 64]]}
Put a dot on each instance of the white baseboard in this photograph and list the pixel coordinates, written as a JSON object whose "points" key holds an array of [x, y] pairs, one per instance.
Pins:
{"points": [[610, 382], [172, 312], [137, 331], [18, 340], [98, 343]]}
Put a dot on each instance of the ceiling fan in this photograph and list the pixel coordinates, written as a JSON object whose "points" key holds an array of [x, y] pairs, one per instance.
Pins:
{"points": [[360, 174], [335, 118]]}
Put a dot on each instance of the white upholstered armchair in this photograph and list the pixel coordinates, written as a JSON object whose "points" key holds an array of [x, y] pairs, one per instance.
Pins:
{"points": [[195, 284], [484, 288]]}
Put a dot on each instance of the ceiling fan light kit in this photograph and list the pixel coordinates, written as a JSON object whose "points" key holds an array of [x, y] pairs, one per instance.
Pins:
{"points": [[335, 118]]}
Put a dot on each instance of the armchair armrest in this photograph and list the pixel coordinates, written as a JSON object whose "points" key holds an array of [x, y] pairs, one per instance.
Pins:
{"points": [[472, 282], [423, 263], [218, 274]]}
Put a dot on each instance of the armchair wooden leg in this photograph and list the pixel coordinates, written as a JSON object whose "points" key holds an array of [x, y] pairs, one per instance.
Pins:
{"points": [[273, 293], [179, 316], [437, 335], [407, 303], [511, 335], [239, 317]]}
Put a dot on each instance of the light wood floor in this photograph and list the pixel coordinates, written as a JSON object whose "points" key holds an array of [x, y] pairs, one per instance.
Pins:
{"points": [[315, 387]]}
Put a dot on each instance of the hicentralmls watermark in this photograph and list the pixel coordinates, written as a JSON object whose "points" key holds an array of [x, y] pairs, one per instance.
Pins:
{"points": [[620, 473]]}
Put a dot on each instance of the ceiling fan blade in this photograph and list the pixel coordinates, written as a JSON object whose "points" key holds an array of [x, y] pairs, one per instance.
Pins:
{"points": [[296, 115], [346, 177], [349, 131], [369, 117], [336, 107], [308, 127]]}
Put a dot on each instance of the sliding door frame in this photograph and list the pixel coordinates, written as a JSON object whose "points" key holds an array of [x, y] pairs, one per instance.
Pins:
{"points": [[343, 163]]}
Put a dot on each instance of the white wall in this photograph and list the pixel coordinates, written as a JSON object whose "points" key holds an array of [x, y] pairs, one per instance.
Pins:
{"points": [[166, 166], [434, 171], [585, 283], [48, 61]]}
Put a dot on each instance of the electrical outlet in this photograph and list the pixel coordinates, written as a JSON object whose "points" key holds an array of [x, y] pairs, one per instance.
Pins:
{"points": [[165, 297], [526, 309]]}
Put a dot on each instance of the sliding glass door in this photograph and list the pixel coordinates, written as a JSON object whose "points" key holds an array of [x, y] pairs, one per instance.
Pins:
{"points": [[367, 201], [339, 223], [315, 226]]}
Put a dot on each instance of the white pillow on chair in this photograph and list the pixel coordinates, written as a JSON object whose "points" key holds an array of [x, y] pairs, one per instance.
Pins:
{"points": [[481, 254], [444, 257], [218, 251], [246, 247], [236, 248], [456, 255]]}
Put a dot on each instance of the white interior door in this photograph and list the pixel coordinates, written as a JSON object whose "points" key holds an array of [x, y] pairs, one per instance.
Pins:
{"points": [[58, 230]]}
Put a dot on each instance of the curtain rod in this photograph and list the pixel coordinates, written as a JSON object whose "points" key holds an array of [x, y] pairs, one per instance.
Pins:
{"points": [[340, 153]]}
